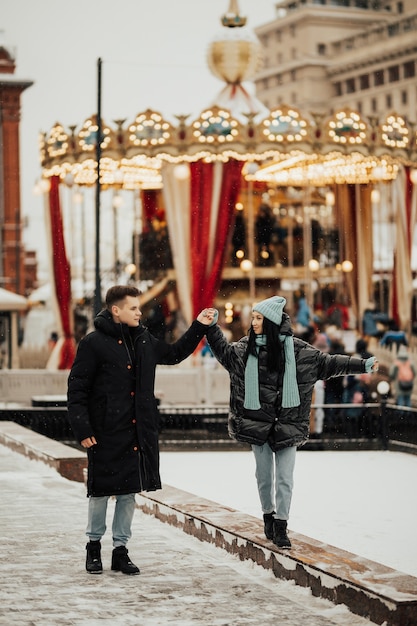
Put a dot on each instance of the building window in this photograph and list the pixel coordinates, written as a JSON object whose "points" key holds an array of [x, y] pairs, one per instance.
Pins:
{"points": [[388, 101], [409, 69], [293, 53], [359, 107], [404, 97], [364, 81], [393, 73], [393, 29], [338, 89], [350, 85], [379, 78], [265, 83], [321, 49], [278, 36], [279, 58], [279, 79], [292, 30], [293, 75], [293, 98], [374, 107]]}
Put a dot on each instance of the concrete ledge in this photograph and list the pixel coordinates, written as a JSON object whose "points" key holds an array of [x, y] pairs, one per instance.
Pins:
{"points": [[68, 461], [369, 589]]}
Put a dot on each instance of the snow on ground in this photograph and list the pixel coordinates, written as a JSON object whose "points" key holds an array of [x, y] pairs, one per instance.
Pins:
{"points": [[362, 502]]}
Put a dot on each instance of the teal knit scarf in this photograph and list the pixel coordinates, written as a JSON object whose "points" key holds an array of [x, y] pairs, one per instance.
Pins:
{"points": [[290, 393]]}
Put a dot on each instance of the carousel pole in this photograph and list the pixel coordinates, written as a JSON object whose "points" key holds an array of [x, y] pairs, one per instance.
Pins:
{"points": [[97, 294]]}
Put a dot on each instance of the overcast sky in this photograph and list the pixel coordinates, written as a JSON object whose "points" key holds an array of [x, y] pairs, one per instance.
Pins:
{"points": [[153, 54]]}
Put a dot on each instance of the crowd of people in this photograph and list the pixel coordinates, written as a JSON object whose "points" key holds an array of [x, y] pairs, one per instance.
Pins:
{"points": [[326, 332]]}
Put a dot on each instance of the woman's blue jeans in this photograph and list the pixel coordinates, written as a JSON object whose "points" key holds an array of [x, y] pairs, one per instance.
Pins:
{"points": [[275, 478], [122, 518]]}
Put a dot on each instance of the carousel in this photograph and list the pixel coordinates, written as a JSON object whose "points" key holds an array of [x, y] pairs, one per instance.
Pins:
{"points": [[239, 203]]}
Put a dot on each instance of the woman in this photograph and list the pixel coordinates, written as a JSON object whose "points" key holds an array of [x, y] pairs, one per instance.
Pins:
{"points": [[272, 377]]}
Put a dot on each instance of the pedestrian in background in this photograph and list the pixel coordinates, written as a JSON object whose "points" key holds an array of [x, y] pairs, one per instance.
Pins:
{"points": [[402, 374], [113, 414], [272, 377]]}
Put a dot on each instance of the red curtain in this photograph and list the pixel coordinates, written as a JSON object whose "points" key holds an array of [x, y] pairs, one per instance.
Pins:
{"points": [[149, 203], [211, 217], [61, 276]]}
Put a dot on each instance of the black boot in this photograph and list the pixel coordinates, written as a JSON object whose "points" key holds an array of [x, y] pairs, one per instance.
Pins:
{"points": [[280, 534], [120, 561], [93, 563], [269, 525]]}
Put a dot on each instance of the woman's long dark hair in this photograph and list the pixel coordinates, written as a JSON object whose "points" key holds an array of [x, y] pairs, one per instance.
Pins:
{"points": [[273, 344]]}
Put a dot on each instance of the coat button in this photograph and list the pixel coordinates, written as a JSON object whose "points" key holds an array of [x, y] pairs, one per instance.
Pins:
{"points": [[135, 448], [133, 421], [132, 393], [129, 367], [120, 342]]}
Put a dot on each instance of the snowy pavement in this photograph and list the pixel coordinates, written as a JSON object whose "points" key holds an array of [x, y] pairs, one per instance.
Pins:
{"points": [[183, 581]]}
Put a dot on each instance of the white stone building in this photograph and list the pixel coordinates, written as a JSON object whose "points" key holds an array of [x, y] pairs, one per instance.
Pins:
{"points": [[321, 55]]}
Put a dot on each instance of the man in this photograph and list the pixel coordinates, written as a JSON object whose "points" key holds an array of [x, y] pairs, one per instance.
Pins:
{"points": [[113, 414]]}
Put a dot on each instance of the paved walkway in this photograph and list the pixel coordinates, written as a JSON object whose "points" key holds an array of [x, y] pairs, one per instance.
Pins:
{"points": [[183, 581]]}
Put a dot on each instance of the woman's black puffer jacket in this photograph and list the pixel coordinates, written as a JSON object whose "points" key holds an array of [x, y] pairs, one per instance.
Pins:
{"points": [[281, 427]]}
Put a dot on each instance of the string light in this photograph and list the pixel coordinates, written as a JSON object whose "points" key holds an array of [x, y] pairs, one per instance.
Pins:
{"points": [[133, 157]]}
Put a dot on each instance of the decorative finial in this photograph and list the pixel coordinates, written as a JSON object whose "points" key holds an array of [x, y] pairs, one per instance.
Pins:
{"points": [[232, 18]]}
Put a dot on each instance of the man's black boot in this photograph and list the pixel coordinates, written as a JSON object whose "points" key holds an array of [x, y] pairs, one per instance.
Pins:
{"points": [[269, 525], [280, 534], [120, 561], [93, 563]]}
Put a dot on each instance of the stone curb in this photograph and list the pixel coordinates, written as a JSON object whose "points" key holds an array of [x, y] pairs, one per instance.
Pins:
{"points": [[369, 589], [68, 461]]}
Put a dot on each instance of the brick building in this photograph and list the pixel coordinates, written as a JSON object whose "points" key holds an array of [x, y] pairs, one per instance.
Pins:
{"points": [[17, 267]]}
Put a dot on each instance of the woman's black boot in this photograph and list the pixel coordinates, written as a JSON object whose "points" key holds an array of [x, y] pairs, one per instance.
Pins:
{"points": [[280, 534], [269, 525]]}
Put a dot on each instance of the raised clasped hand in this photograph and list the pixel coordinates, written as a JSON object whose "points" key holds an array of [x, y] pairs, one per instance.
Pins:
{"points": [[207, 316]]}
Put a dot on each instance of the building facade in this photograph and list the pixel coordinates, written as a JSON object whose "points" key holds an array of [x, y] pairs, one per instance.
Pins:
{"points": [[322, 55]]}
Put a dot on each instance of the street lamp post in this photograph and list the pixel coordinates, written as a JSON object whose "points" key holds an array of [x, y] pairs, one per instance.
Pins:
{"points": [[97, 294]]}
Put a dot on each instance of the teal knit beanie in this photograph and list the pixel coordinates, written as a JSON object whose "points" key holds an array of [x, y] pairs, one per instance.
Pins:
{"points": [[271, 308]]}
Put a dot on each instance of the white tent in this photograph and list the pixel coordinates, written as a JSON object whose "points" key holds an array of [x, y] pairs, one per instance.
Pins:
{"points": [[10, 301], [10, 305]]}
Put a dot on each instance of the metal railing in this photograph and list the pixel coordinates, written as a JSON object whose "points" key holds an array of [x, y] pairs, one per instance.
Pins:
{"points": [[372, 425]]}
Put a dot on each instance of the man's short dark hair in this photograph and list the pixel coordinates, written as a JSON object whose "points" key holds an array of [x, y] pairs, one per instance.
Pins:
{"points": [[120, 292]]}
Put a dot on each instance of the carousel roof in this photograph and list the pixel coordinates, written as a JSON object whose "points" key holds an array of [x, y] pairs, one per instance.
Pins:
{"points": [[289, 147]]}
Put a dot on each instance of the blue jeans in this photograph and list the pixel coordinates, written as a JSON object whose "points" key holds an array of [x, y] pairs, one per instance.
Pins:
{"points": [[122, 518], [275, 478], [403, 399]]}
